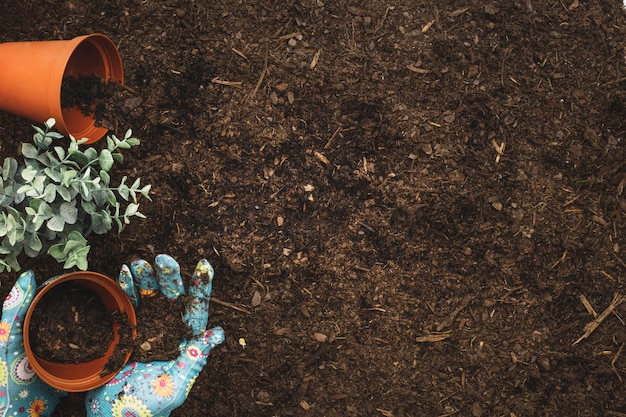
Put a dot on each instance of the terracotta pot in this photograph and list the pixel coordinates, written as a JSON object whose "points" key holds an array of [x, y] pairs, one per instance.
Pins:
{"points": [[31, 74], [87, 375]]}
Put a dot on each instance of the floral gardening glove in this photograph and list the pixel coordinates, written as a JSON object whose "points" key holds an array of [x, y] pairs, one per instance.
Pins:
{"points": [[156, 388], [22, 393]]}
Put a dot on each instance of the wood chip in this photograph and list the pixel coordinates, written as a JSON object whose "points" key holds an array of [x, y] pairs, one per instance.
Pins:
{"points": [[321, 157], [315, 59], [433, 337], [427, 26], [320, 337], [256, 299], [417, 70], [458, 12]]}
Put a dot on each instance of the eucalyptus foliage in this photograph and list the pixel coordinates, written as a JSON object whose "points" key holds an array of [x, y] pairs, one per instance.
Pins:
{"points": [[61, 194]]}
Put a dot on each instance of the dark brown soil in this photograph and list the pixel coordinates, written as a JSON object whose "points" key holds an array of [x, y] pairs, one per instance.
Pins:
{"points": [[413, 208], [70, 325], [159, 329]]}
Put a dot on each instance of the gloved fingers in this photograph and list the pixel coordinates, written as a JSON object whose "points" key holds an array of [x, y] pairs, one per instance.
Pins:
{"points": [[144, 277], [126, 282], [194, 353], [213, 338], [197, 309], [14, 309], [168, 277]]}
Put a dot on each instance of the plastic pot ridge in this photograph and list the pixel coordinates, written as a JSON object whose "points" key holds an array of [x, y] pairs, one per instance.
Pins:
{"points": [[86, 375]]}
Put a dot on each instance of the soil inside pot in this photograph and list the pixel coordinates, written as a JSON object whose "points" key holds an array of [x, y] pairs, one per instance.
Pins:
{"points": [[70, 325], [92, 95]]}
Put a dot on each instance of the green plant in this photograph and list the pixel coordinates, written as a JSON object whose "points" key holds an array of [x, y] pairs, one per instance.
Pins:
{"points": [[59, 195]]}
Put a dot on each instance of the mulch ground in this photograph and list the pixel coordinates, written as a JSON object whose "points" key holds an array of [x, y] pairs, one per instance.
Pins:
{"points": [[413, 209]]}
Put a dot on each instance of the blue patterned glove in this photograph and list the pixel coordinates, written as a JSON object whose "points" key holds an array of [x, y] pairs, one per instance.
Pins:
{"points": [[157, 388], [22, 393]]}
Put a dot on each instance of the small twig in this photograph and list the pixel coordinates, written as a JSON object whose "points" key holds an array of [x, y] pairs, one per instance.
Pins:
{"points": [[505, 56], [273, 195], [588, 306], [263, 72], [238, 52], [229, 305], [433, 337], [315, 59], [382, 21], [334, 135], [593, 325], [289, 36], [618, 259], [217, 80], [466, 300], [369, 228], [619, 352]]}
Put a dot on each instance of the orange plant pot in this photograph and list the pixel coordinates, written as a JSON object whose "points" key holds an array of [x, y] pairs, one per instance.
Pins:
{"points": [[86, 375], [31, 74]]}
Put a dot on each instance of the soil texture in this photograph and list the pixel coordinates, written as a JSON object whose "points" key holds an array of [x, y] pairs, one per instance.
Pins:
{"points": [[413, 208], [159, 329], [70, 325]]}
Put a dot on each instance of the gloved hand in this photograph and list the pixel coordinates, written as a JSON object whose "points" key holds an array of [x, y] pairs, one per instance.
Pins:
{"points": [[22, 392], [157, 388]]}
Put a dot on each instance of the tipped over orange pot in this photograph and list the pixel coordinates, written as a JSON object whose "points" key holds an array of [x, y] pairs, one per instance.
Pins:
{"points": [[31, 75], [83, 376]]}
